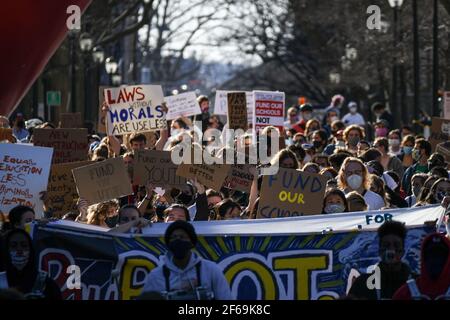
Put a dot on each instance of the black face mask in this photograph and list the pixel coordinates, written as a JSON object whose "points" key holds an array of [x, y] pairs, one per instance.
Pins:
{"points": [[184, 198], [112, 221], [180, 248]]}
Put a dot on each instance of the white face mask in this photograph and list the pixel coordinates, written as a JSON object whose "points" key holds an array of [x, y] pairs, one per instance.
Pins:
{"points": [[307, 116], [19, 261], [354, 181], [353, 110], [175, 132], [394, 142], [333, 119]]}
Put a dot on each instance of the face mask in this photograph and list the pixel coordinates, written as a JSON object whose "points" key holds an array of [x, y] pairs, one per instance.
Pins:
{"points": [[307, 116], [394, 142], [390, 257], [307, 158], [415, 154], [289, 142], [353, 110], [180, 248], [19, 261], [175, 132], [354, 181], [407, 150], [334, 208], [381, 132], [332, 119], [317, 144], [340, 144], [416, 191], [353, 141], [112, 221], [184, 198]]}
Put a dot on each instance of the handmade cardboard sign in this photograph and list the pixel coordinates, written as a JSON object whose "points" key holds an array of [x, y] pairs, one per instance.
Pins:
{"points": [[291, 193], [212, 176], [70, 120], [70, 145], [240, 177], [103, 181], [157, 168], [237, 111], [440, 136], [24, 174], [182, 105], [221, 103], [268, 110], [61, 189], [135, 109]]}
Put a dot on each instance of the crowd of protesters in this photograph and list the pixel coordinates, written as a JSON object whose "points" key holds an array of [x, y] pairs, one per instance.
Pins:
{"points": [[368, 166]]}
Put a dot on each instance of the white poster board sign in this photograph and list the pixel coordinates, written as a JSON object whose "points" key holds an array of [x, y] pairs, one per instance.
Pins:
{"points": [[182, 105]]}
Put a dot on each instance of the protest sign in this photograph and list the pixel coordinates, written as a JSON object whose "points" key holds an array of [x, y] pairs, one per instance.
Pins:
{"points": [[6, 134], [240, 177], [440, 137], [268, 110], [101, 125], [221, 103], [61, 190], [70, 145], [291, 193], [211, 176], [446, 106], [237, 111], [182, 105], [24, 172], [156, 167], [135, 109], [289, 259], [103, 181], [70, 120]]}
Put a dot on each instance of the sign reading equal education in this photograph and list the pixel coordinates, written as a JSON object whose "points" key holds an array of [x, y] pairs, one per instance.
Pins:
{"points": [[103, 181], [70, 145], [269, 110], [24, 174], [291, 193], [61, 189], [135, 109], [157, 168]]}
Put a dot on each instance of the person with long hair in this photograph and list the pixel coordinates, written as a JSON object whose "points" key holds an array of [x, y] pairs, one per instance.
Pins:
{"points": [[334, 201], [354, 176], [103, 214]]}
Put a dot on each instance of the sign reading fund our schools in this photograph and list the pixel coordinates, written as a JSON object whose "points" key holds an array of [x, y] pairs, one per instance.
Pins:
{"points": [[269, 109], [103, 181], [291, 193], [135, 109], [24, 174]]}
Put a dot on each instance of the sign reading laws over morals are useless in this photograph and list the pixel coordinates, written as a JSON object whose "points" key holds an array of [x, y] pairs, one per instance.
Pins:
{"points": [[103, 181], [62, 190], [182, 105], [291, 193], [70, 145], [135, 109], [156, 167], [212, 176], [269, 109], [24, 174]]}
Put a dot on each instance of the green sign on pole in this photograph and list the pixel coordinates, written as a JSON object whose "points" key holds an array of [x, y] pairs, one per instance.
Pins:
{"points": [[54, 98]]}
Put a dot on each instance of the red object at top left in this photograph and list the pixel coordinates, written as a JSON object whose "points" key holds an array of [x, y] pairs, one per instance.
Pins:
{"points": [[30, 33]]}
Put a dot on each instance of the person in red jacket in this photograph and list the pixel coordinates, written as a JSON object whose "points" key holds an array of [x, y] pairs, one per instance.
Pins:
{"points": [[434, 280]]}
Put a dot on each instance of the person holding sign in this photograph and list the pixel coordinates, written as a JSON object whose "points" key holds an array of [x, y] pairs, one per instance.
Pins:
{"points": [[354, 176]]}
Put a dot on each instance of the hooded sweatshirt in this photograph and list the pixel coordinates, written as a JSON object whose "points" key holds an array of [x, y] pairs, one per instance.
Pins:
{"points": [[426, 285], [212, 277]]}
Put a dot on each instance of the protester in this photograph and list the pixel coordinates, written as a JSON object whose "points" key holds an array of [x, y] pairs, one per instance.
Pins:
{"points": [[406, 152], [420, 154], [227, 210], [19, 130], [433, 282], [21, 268], [417, 182], [353, 117], [352, 136], [381, 113], [389, 162], [183, 274], [356, 202], [19, 216], [393, 272], [334, 201]]}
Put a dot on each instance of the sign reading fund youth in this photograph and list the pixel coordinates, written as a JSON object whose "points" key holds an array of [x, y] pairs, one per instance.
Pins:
{"points": [[24, 174], [103, 181], [135, 109], [269, 109], [291, 193]]}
